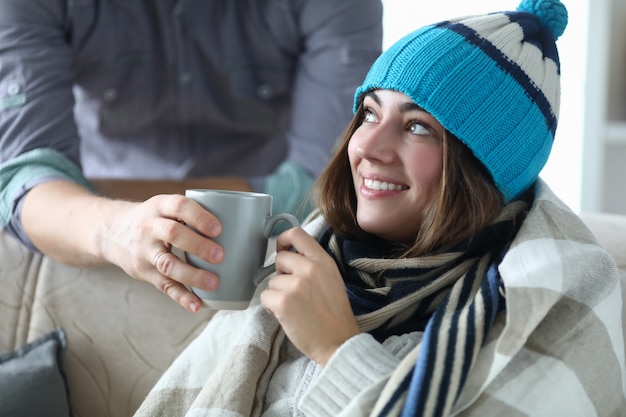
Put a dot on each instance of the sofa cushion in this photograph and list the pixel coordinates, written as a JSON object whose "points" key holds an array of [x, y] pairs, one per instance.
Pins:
{"points": [[610, 229], [121, 333], [32, 379]]}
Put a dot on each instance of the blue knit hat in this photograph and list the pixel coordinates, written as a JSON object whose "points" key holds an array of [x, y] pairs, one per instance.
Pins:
{"points": [[491, 80]]}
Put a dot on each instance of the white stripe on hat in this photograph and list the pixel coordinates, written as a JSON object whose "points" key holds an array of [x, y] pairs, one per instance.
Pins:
{"points": [[524, 54]]}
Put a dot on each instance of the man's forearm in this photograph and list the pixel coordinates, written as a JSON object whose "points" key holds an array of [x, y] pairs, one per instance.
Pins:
{"points": [[69, 223], [64, 221]]}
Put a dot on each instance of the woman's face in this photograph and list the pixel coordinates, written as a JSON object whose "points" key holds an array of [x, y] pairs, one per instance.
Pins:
{"points": [[396, 158]]}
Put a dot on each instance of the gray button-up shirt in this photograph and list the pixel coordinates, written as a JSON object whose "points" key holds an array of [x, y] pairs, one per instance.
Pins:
{"points": [[182, 88]]}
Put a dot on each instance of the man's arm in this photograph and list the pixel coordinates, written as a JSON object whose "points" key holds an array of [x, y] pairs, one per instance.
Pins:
{"points": [[71, 224], [66, 221]]}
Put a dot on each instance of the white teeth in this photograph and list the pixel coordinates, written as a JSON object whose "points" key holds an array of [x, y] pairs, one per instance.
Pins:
{"points": [[383, 186]]}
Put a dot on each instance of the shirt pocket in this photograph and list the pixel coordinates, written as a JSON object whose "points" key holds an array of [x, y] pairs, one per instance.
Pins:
{"points": [[113, 74]]}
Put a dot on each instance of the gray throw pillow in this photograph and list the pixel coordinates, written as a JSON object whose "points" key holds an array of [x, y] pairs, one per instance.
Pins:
{"points": [[32, 379]]}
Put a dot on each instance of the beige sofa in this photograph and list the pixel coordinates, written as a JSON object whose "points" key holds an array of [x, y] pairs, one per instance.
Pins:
{"points": [[122, 333]]}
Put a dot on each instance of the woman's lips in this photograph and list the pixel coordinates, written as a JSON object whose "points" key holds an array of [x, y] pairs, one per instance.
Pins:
{"points": [[377, 185]]}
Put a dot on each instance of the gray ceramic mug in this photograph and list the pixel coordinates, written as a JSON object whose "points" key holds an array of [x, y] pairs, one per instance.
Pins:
{"points": [[247, 224]]}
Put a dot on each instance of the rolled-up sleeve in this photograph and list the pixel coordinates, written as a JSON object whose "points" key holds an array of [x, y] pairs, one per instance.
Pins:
{"points": [[341, 41], [23, 172], [36, 100]]}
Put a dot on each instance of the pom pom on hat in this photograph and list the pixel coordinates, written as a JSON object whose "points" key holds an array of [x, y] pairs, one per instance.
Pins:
{"points": [[552, 14], [491, 80]]}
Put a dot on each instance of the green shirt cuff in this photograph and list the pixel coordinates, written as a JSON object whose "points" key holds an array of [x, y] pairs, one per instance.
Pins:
{"points": [[25, 169], [290, 185]]}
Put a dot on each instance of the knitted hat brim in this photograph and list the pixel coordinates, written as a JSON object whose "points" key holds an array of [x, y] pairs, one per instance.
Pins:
{"points": [[478, 93]]}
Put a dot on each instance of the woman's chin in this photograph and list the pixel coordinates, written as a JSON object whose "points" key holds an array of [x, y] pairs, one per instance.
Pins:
{"points": [[376, 227]]}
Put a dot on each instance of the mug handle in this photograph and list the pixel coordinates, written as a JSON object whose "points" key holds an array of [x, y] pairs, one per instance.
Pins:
{"points": [[265, 271]]}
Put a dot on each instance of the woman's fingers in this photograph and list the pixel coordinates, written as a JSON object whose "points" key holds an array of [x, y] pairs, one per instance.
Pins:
{"points": [[308, 297], [296, 239]]}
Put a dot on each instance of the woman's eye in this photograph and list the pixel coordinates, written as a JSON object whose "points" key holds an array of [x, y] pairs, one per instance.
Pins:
{"points": [[369, 117], [419, 129]]}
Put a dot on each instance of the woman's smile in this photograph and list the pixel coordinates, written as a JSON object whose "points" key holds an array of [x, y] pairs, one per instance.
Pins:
{"points": [[376, 185], [396, 158]]}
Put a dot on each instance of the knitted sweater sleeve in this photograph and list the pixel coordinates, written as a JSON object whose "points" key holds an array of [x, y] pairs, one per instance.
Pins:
{"points": [[354, 377]]}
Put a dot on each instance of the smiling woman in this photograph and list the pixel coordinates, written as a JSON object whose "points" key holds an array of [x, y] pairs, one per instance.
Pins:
{"points": [[413, 181], [439, 276]]}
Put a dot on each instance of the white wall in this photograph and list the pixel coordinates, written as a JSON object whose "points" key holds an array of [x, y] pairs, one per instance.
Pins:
{"points": [[563, 170]]}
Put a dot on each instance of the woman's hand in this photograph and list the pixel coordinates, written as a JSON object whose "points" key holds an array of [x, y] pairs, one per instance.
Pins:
{"points": [[139, 237], [308, 297]]}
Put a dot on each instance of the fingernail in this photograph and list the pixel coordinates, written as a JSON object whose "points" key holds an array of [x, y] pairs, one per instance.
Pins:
{"points": [[193, 307], [211, 282], [215, 228], [217, 254]]}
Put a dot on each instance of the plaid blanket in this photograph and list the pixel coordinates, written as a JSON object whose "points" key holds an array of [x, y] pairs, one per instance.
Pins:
{"points": [[558, 349]]}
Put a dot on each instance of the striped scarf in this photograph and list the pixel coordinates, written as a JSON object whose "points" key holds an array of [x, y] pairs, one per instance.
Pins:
{"points": [[452, 297]]}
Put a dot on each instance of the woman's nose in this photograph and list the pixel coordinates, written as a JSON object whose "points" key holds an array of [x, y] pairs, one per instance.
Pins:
{"points": [[377, 144]]}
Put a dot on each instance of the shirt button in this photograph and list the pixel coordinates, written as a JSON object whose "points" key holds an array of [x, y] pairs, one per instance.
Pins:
{"points": [[265, 91], [109, 94], [179, 10], [13, 89], [344, 55], [185, 77]]}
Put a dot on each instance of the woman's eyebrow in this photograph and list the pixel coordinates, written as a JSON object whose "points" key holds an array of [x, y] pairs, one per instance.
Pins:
{"points": [[373, 96], [404, 107], [410, 106]]}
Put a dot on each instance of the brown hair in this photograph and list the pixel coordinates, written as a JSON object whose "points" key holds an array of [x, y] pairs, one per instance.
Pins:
{"points": [[467, 199]]}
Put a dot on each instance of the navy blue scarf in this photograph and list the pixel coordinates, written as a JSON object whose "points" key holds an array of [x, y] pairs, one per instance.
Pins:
{"points": [[432, 294]]}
